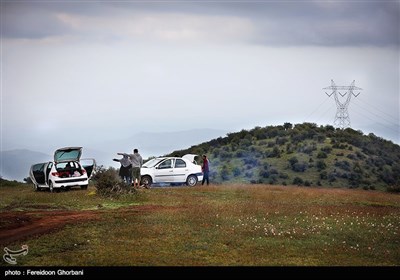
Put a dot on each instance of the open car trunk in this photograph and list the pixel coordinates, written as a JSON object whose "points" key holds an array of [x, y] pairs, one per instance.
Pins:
{"points": [[68, 154]]}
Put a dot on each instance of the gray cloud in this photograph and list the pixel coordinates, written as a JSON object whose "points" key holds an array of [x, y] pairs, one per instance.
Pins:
{"points": [[353, 23], [220, 65]]}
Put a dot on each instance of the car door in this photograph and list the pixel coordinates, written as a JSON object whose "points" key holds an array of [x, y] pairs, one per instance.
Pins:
{"points": [[38, 174], [180, 171], [164, 172], [89, 164]]}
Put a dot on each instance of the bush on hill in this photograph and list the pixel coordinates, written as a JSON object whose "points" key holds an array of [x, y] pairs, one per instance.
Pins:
{"points": [[323, 154]]}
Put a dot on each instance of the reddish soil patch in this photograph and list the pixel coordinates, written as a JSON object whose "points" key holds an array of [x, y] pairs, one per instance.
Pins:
{"points": [[19, 225]]}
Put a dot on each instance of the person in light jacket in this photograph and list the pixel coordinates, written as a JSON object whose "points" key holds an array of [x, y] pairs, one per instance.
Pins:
{"points": [[125, 171], [137, 162]]}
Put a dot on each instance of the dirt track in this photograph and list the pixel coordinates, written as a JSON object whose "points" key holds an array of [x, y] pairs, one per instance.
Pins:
{"points": [[19, 225]]}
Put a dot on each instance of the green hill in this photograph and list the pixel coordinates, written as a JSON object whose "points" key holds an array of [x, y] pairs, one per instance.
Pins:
{"points": [[303, 154]]}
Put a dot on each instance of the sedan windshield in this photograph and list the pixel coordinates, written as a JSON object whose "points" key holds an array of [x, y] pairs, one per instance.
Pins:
{"points": [[152, 162]]}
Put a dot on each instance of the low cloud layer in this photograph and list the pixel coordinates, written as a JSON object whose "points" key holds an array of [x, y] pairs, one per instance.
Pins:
{"points": [[107, 70], [324, 23]]}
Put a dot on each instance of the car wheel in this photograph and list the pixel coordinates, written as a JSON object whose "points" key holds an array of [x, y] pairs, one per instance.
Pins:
{"points": [[51, 187], [146, 181], [84, 187], [191, 181]]}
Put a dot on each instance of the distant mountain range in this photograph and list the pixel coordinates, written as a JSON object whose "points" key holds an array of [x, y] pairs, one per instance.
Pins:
{"points": [[15, 164]]}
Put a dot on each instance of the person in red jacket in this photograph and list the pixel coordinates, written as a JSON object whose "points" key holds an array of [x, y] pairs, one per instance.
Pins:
{"points": [[205, 170]]}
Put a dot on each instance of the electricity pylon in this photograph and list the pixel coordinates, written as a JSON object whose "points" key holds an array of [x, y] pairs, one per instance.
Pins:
{"points": [[342, 119]]}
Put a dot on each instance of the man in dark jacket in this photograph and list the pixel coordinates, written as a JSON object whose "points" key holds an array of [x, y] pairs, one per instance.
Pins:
{"points": [[205, 170]]}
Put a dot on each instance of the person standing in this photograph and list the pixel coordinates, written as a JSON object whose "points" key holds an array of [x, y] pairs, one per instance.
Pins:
{"points": [[125, 171], [137, 162], [206, 170]]}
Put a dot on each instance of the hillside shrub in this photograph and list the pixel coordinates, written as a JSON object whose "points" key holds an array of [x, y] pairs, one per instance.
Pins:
{"points": [[273, 179], [345, 165], [109, 183], [248, 174], [275, 153], [236, 171], [351, 156], [289, 148], [224, 173], [299, 167], [293, 160], [326, 149], [322, 154], [360, 155], [321, 165], [331, 177], [283, 175], [281, 140], [264, 173], [307, 149], [240, 153], [393, 189], [270, 144], [251, 161], [298, 181]]}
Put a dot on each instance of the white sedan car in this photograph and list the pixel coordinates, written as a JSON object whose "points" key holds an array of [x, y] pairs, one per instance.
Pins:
{"points": [[66, 171], [172, 170]]}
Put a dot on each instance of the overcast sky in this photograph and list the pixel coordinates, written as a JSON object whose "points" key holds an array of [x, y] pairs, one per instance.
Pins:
{"points": [[109, 69]]}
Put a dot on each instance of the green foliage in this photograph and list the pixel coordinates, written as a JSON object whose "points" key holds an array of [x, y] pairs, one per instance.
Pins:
{"points": [[393, 189], [322, 154], [237, 171], [345, 165], [321, 165], [224, 173], [293, 161], [342, 158], [298, 181], [6, 183], [108, 183]]}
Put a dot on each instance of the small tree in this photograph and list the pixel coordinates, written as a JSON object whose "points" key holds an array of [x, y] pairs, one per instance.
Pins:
{"points": [[298, 181], [109, 183]]}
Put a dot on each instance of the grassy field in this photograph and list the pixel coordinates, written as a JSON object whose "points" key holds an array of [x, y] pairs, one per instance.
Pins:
{"points": [[224, 225]]}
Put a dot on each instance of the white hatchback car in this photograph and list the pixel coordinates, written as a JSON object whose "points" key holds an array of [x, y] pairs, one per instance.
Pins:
{"points": [[172, 170], [66, 171]]}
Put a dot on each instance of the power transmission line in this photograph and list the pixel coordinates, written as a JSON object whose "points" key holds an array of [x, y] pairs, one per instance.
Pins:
{"points": [[381, 124], [377, 109], [379, 117], [316, 108]]}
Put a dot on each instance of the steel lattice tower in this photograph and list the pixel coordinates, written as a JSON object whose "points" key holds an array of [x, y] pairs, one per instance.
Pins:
{"points": [[342, 119]]}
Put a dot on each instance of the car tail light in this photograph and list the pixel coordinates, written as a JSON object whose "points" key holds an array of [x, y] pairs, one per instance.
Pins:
{"points": [[55, 174]]}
